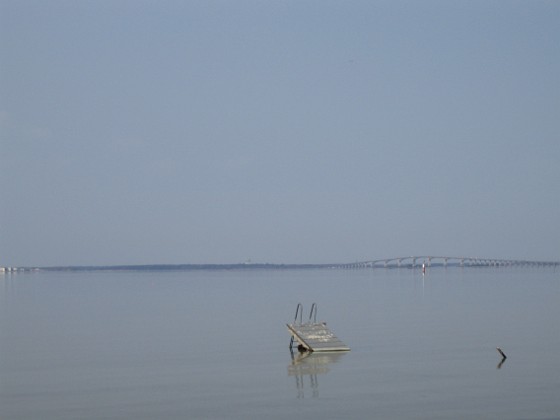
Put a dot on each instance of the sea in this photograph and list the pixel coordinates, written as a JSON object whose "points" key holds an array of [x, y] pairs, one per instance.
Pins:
{"points": [[213, 344]]}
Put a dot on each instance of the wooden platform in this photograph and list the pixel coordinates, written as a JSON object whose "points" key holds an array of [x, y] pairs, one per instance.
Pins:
{"points": [[316, 337]]}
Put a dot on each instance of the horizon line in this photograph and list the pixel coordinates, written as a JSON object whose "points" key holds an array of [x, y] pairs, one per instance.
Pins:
{"points": [[395, 262]]}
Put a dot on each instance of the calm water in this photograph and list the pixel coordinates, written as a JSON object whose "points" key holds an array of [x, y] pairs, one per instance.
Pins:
{"points": [[213, 344]]}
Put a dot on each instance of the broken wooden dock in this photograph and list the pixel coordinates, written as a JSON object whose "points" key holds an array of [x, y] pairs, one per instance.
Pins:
{"points": [[313, 335]]}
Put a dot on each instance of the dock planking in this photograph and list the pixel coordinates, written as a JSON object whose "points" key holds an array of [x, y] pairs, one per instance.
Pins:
{"points": [[316, 337]]}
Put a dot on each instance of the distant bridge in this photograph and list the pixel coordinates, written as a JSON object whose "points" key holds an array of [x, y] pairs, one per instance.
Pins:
{"points": [[429, 260], [398, 262]]}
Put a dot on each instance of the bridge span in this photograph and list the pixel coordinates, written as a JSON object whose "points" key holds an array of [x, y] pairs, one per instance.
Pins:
{"points": [[432, 260]]}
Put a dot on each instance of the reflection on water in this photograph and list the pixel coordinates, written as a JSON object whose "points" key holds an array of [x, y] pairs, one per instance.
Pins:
{"points": [[8, 284], [311, 364], [501, 363]]}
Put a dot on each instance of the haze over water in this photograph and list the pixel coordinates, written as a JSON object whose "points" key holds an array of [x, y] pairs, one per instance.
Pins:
{"points": [[203, 344]]}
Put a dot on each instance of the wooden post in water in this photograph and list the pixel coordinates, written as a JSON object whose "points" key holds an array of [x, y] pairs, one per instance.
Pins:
{"points": [[504, 357]]}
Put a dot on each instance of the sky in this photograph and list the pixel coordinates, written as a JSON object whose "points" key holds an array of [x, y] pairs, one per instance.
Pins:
{"points": [[170, 132]]}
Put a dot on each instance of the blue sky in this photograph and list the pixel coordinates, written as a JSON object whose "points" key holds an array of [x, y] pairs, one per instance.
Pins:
{"points": [[136, 132]]}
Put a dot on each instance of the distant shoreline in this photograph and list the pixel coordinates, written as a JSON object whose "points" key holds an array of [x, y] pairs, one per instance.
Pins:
{"points": [[185, 267], [171, 267], [264, 266]]}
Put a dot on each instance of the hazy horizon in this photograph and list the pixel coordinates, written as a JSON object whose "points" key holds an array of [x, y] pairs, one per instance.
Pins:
{"points": [[374, 264], [140, 132]]}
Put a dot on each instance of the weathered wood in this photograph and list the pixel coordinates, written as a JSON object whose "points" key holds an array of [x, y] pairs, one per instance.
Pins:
{"points": [[504, 357], [316, 337]]}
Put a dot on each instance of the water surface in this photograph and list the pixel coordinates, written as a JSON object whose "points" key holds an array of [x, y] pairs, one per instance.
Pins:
{"points": [[212, 344]]}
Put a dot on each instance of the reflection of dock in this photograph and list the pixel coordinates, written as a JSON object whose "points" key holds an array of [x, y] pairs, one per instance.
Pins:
{"points": [[311, 364]]}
